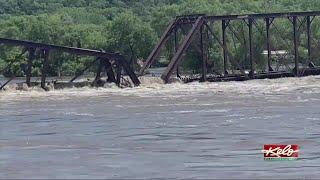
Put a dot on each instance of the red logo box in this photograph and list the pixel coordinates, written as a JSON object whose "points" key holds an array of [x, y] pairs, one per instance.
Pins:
{"points": [[280, 152]]}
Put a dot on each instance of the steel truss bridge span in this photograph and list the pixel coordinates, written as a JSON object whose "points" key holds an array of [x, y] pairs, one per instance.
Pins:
{"points": [[200, 33]]}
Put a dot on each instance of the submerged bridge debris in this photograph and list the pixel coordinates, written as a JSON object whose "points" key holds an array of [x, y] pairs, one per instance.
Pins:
{"points": [[113, 63], [208, 35]]}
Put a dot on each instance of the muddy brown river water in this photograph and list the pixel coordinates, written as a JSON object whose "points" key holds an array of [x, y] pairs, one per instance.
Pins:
{"points": [[197, 130]]}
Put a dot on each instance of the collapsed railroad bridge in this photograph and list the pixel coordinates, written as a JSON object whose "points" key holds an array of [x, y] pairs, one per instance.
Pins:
{"points": [[113, 64], [230, 47]]}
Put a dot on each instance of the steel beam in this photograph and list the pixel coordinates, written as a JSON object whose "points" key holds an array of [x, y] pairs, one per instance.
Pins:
{"points": [[231, 59], [45, 68], [107, 66], [185, 44], [6, 83], [99, 70], [72, 50], [188, 20], [225, 50], [251, 74], [109, 71], [203, 54], [309, 37], [118, 74], [196, 45], [29, 66], [156, 51], [295, 44], [176, 45], [268, 41], [262, 16], [84, 70], [123, 63]]}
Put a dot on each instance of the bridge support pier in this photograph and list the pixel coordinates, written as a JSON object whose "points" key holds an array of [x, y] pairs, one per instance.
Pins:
{"points": [[225, 51], [97, 81], [118, 74], [268, 41], [295, 44], [45, 68], [203, 54], [110, 73], [251, 74], [309, 38], [104, 65], [29, 66]]}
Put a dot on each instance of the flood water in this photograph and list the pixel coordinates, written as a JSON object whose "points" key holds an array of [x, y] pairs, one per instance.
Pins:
{"points": [[197, 130]]}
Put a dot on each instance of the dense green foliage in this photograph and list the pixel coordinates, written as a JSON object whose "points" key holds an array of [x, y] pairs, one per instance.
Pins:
{"points": [[131, 27]]}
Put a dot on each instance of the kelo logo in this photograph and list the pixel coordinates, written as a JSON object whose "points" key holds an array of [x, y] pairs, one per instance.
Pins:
{"points": [[277, 152]]}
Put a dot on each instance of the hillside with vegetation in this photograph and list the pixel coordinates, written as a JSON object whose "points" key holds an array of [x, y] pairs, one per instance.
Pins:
{"points": [[131, 27]]}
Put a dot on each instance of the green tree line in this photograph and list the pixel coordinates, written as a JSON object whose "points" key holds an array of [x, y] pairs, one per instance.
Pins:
{"points": [[131, 27]]}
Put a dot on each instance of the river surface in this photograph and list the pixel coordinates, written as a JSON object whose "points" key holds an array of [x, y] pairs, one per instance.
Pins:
{"points": [[197, 130]]}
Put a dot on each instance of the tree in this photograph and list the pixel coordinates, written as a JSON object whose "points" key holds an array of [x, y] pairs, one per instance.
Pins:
{"points": [[131, 36]]}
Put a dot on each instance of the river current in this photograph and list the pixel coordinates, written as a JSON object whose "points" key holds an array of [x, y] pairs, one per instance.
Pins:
{"points": [[196, 130]]}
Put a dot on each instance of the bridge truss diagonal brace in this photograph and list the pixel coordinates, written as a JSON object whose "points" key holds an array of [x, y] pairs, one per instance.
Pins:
{"points": [[45, 69], [126, 67], [228, 54], [156, 51], [185, 44]]}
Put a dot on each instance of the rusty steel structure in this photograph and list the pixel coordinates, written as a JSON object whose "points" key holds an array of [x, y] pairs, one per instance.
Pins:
{"points": [[113, 63], [185, 30]]}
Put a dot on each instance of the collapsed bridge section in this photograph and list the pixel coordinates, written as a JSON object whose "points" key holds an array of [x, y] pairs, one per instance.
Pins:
{"points": [[240, 47], [113, 63]]}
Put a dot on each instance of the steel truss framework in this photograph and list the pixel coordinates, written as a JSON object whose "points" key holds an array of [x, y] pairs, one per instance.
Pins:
{"points": [[113, 63], [202, 27]]}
